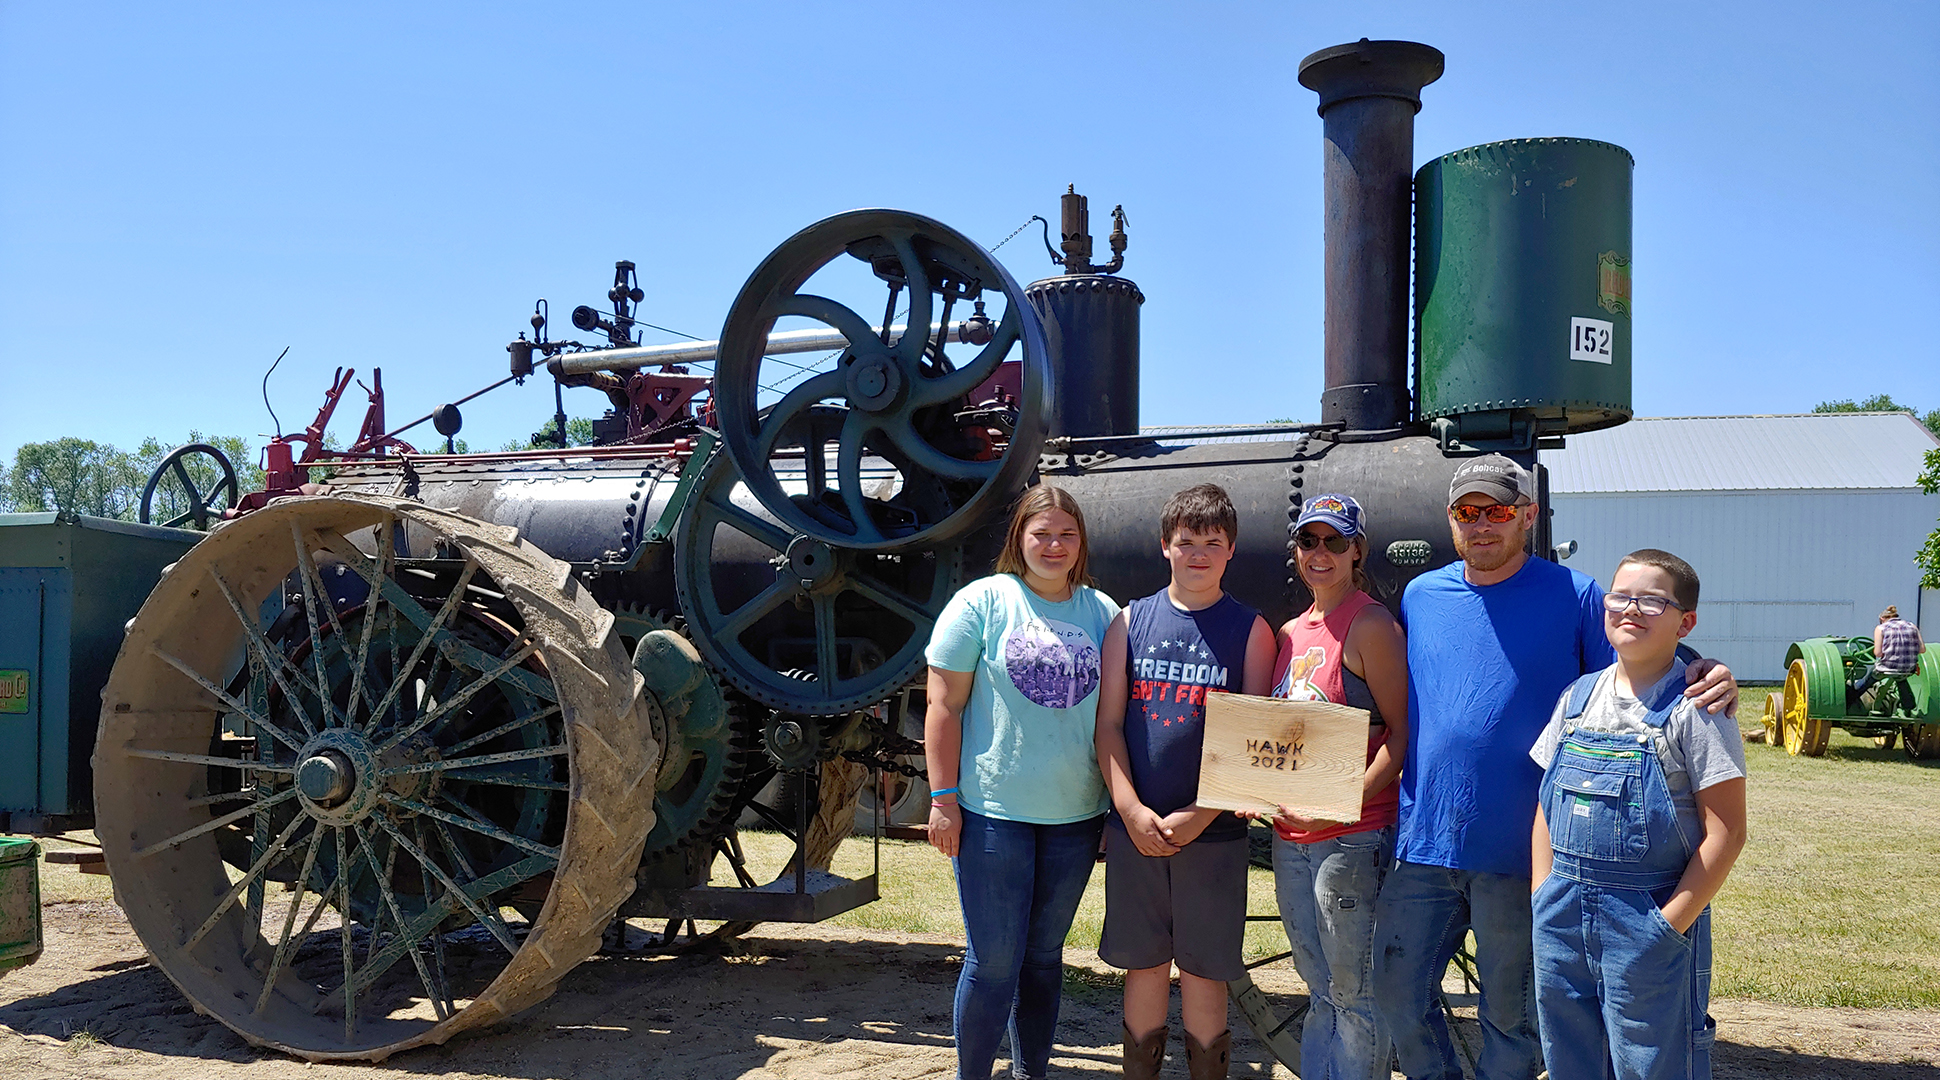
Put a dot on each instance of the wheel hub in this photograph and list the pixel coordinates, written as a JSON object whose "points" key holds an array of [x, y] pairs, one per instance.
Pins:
{"points": [[812, 562], [874, 383], [326, 779], [338, 776]]}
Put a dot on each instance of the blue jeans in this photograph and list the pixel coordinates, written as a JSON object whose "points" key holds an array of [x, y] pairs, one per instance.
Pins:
{"points": [[1422, 915], [1020, 885], [1327, 893], [1612, 976]]}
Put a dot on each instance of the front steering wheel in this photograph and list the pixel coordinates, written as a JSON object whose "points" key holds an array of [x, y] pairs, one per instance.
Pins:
{"points": [[222, 492]]}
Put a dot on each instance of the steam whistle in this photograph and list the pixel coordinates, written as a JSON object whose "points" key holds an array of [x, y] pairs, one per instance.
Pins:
{"points": [[1074, 228]]}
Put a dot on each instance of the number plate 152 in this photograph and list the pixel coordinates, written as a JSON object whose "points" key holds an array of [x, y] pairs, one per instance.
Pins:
{"points": [[1590, 340]]}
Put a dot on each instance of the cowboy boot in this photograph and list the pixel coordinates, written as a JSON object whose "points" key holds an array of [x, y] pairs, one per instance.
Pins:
{"points": [[1209, 1062], [1144, 1056]]}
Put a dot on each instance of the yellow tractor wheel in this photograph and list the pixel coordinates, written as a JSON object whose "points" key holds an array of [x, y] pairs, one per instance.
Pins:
{"points": [[1804, 733], [1774, 719]]}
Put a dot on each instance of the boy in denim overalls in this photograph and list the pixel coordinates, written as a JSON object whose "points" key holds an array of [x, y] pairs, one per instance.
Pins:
{"points": [[1639, 817]]}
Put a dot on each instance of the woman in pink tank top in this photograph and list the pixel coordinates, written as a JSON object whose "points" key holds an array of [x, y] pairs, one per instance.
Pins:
{"points": [[1347, 649]]}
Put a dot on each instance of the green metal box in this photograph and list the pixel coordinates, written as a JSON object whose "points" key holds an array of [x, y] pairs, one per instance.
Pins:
{"points": [[68, 584], [19, 903], [1522, 290]]}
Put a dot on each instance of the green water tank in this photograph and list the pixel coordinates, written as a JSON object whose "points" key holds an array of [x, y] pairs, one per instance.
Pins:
{"points": [[1522, 290]]}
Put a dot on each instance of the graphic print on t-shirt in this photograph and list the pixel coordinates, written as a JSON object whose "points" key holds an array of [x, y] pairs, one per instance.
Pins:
{"points": [[1297, 683], [1053, 663], [1173, 678]]}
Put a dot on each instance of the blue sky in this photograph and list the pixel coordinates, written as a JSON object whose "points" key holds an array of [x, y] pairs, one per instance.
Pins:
{"points": [[190, 188]]}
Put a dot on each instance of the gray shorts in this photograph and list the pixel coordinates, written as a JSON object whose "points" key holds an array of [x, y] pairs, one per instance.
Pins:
{"points": [[1188, 908]]}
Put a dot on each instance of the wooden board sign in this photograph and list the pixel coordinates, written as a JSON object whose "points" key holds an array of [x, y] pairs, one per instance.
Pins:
{"points": [[1261, 753]]}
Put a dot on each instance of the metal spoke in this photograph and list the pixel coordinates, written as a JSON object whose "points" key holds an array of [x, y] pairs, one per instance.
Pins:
{"points": [[407, 605], [485, 828], [825, 656], [390, 901], [377, 924], [213, 824], [274, 662], [223, 796], [503, 780], [220, 694], [950, 387], [494, 882], [837, 315], [314, 595], [207, 759], [892, 599], [502, 729], [454, 764], [343, 935], [765, 601], [439, 972], [740, 520], [848, 476], [916, 334], [452, 888], [402, 676], [383, 534], [459, 700], [289, 921], [927, 457], [268, 858], [829, 384]]}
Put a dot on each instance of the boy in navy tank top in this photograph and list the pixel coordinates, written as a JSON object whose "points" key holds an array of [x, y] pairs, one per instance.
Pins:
{"points": [[1175, 875]]}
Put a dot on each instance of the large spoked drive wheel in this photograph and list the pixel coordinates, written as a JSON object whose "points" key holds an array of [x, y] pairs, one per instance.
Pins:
{"points": [[899, 393], [437, 747], [1804, 733]]}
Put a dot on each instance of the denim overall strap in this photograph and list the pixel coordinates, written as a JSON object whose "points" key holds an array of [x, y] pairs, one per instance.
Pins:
{"points": [[1611, 818]]}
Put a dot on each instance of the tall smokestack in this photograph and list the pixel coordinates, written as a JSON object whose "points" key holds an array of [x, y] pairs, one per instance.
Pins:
{"points": [[1369, 92]]}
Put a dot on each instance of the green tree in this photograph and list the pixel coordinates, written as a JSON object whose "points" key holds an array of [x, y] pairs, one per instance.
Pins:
{"points": [[1880, 403], [1929, 557], [76, 476], [579, 432]]}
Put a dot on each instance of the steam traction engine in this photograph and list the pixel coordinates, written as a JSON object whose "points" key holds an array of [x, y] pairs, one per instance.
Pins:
{"points": [[466, 710]]}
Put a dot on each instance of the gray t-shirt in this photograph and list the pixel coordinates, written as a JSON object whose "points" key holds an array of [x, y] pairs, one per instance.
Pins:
{"points": [[1697, 750]]}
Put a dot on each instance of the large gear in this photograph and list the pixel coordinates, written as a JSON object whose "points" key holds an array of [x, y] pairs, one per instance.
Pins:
{"points": [[704, 764]]}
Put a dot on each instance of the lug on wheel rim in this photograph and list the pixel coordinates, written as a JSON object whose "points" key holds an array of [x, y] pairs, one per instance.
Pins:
{"points": [[449, 740]]}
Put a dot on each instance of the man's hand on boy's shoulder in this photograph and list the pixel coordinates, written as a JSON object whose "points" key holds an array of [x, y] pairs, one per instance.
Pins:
{"points": [[1713, 685], [1149, 832]]}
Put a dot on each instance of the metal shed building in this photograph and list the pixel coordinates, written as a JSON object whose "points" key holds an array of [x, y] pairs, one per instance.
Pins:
{"points": [[1798, 526]]}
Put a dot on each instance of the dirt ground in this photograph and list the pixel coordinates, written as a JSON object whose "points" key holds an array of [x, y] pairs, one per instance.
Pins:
{"points": [[797, 1002]]}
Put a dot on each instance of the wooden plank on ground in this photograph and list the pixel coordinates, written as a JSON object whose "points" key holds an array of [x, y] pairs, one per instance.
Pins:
{"points": [[1264, 752]]}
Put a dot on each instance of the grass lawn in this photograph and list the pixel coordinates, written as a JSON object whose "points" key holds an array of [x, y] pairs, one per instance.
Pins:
{"points": [[1836, 899]]}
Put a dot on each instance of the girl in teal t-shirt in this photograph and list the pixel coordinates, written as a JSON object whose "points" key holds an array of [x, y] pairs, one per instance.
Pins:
{"points": [[1017, 801]]}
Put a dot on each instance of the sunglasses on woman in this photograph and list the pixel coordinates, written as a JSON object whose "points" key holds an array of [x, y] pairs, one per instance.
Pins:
{"points": [[1308, 541], [1499, 513]]}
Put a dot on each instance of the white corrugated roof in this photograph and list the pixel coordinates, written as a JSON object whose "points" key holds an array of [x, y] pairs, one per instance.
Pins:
{"points": [[1810, 451]]}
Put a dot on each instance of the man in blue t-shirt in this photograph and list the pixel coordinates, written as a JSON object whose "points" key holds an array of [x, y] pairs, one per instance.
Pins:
{"points": [[1492, 642]]}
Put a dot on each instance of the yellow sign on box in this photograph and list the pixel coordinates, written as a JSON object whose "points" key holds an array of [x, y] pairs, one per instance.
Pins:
{"points": [[14, 689], [1263, 753]]}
